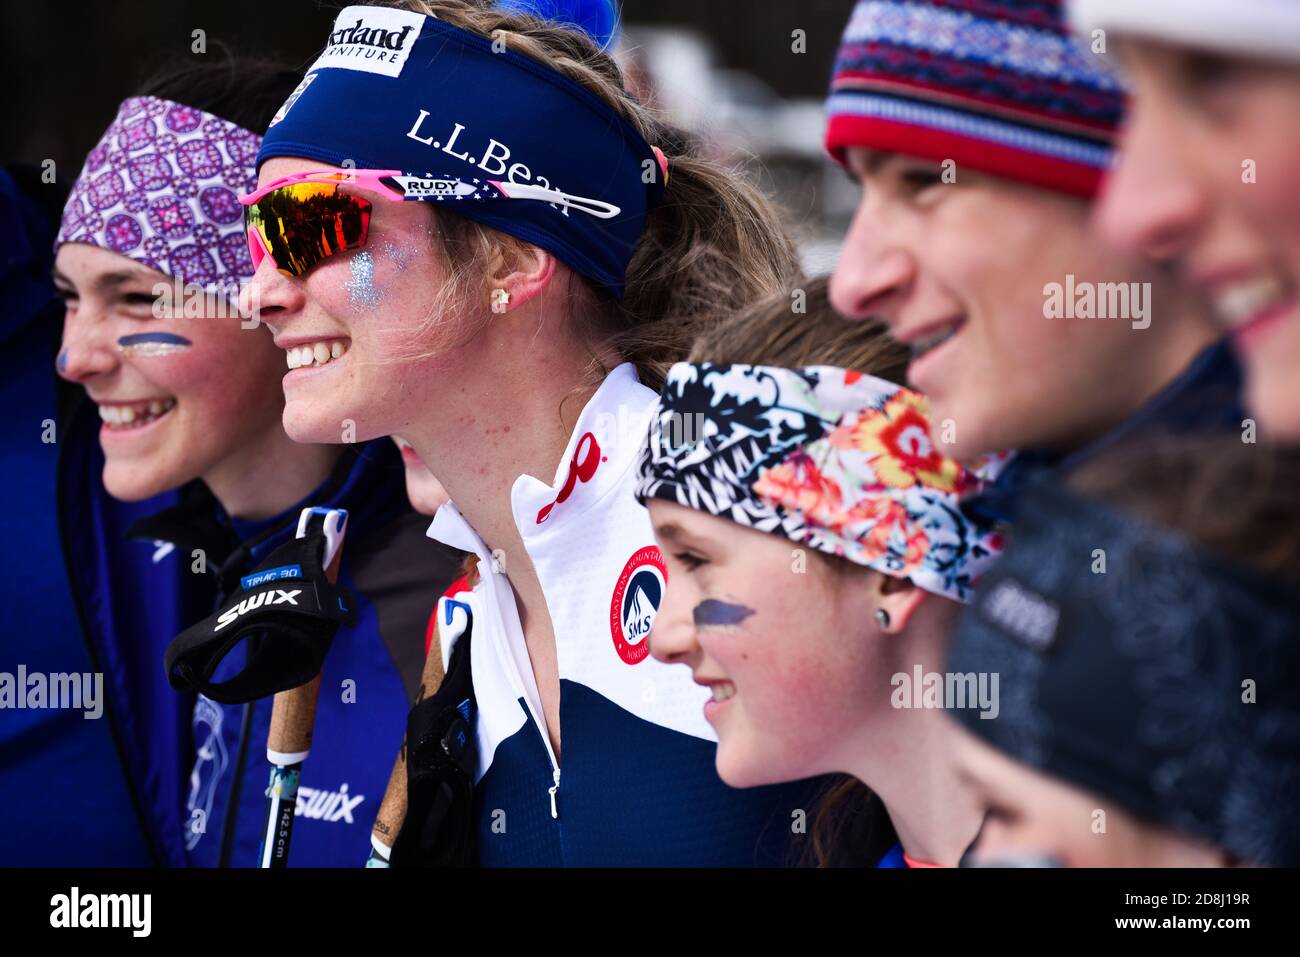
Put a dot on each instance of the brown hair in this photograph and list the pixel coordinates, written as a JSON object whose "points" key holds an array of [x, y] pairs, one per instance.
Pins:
{"points": [[245, 90], [715, 239], [1233, 498], [798, 327], [795, 328]]}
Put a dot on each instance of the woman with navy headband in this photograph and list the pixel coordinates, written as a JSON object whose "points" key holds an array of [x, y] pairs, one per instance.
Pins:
{"points": [[495, 258], [817, 562], [150, 256], [979, 134]]}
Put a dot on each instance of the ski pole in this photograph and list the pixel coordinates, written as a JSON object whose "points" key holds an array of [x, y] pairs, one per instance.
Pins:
{"points": [[293, 714]]}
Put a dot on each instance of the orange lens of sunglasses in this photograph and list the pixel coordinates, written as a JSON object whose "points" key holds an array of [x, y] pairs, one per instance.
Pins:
{"points": [[303, 223]]}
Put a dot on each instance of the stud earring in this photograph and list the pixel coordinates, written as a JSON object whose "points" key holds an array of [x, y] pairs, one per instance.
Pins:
{"points": [[500, 300], [882, 618]]}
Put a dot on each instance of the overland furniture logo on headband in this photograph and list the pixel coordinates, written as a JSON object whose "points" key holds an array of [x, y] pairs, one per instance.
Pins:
{"points": [[372, 40]]}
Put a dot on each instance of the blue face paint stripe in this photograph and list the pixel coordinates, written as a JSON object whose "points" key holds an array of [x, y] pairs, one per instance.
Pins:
{"points": [[153, 338], [63, 361], [711, 611]]}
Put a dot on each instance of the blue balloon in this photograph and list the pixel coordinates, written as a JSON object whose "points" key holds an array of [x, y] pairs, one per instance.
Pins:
{"points": [[597, 18]]}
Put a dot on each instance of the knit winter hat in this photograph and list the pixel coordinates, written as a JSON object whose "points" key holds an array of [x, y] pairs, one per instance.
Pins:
{"points": [[1252, 28], [998, 86]]}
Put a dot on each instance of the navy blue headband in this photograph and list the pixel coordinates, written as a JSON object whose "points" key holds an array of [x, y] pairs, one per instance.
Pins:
{"points": [[395, 89]]}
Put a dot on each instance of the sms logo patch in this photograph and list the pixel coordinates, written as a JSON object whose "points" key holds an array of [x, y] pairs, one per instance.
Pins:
{"points": [[635, 602]]}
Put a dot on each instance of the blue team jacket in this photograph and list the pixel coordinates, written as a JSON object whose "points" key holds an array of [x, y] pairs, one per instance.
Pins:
{"points": [[395, 574], [74, 591]]}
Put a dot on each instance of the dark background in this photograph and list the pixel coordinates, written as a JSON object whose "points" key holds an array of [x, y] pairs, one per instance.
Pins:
{"points": [[65, 66]]}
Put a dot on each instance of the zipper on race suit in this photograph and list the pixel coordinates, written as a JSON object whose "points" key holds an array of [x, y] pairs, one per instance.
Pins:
{"points": [[527, 680], [501, 595]]}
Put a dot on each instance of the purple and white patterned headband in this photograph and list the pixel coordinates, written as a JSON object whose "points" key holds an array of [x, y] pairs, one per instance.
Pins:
{"points": [[162, 187]]}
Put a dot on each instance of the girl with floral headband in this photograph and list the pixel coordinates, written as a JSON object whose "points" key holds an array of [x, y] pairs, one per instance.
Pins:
{"points": [[149, 257], [817, 560]]}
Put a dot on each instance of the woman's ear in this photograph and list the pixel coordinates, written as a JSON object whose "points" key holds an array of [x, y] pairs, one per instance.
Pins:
{"points": [[522, 270], [895, 601]]}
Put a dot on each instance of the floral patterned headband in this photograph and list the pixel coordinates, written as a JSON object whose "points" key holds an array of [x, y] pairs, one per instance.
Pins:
{"points": [[162, 187], [830, 458]]}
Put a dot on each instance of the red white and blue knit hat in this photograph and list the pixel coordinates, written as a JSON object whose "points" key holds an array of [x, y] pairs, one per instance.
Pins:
{"points": [[999, 86]]}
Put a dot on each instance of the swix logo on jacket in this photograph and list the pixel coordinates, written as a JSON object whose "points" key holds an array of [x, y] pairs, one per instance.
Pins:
{"points": [[352, 754], [635, 782]]}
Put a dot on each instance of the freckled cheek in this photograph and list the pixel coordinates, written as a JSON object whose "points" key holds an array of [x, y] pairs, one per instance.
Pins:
{"points": [[327, 294], [814, 695], [777, 680]]}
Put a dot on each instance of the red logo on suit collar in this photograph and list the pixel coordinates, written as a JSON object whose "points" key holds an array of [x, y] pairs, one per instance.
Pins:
{"points": [[582, 467]]}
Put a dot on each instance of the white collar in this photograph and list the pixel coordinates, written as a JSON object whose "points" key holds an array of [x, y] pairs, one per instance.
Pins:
{"points": [[618, 417]]}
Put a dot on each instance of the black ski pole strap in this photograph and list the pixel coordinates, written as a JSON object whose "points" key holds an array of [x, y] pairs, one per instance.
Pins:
{"points": [[439, 829], [286, 611]]}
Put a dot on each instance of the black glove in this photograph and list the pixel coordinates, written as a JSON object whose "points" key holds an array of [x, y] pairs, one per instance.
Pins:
{"points": [[439, 828], [287, 611]]}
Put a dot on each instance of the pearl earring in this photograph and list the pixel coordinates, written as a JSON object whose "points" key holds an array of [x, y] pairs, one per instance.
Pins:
{"points": [[500, 300], [882, 618]]}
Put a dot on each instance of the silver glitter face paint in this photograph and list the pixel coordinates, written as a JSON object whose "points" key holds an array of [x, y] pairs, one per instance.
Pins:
{"points": [[361, 285], [400, 255]]}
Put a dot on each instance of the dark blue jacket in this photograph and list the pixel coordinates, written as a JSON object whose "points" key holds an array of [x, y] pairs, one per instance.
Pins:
{"points": [[1204, 397], [72, 789], [132, 597], [370, 675]]}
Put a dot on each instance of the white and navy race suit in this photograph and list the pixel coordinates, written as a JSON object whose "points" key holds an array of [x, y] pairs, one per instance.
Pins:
{"points": [[637, 785]]}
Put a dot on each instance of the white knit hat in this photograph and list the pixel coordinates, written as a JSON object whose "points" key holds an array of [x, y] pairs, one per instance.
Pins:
{"points": [[1264, 29]]}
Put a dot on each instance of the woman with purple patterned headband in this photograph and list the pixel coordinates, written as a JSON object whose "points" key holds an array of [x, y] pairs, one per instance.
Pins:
{"points": [[182, 389], [151, 257]]}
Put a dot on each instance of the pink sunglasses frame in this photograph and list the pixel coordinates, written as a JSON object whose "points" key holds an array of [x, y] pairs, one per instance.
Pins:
{"points": [[397, 186]]}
